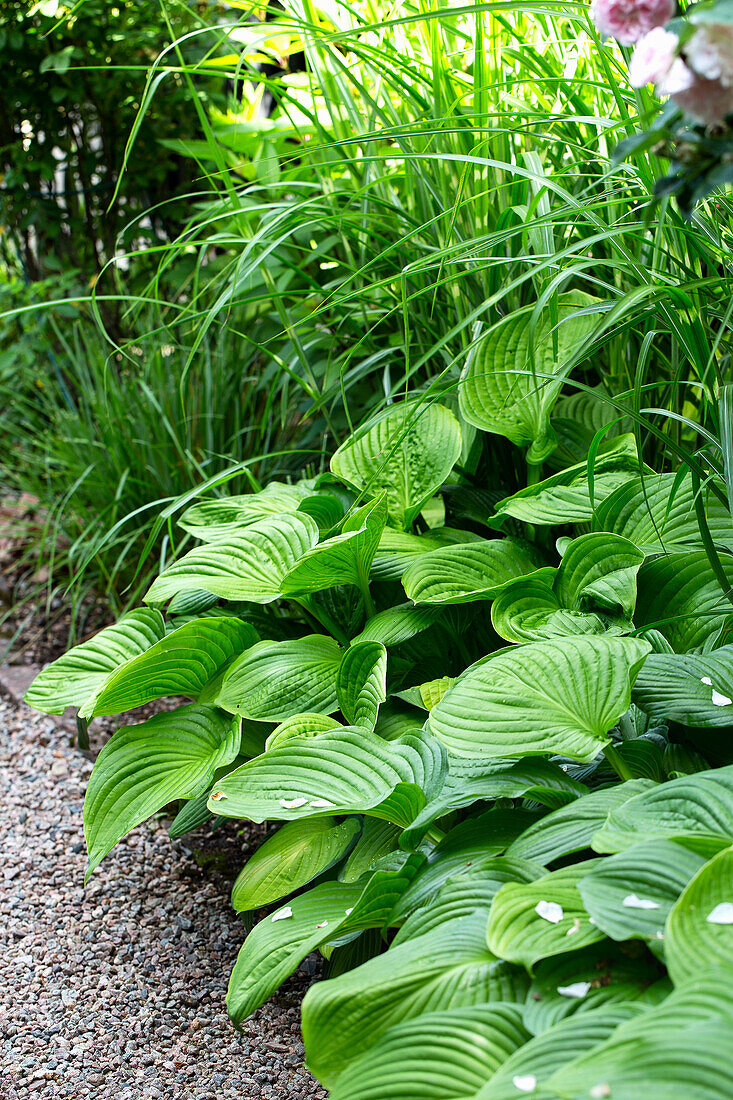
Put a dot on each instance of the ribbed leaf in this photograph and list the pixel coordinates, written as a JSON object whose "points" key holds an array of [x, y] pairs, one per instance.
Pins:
{"points": [[686, 688], [695, 809], [398, 624], [361, 683], [571, 828], [378, 838], [407, 452], [699, 930], [249, 566], [445, 969], [631, 894], [461, 574], [182, 663], [347, 771], [512, 380], [214, 520], [439, 1056], [78, 675], [399, 549], [143, 768], [293, 857], [273, 681], [344, 559], [301, 725], [535, 920], [680, 596], [546, 697]]}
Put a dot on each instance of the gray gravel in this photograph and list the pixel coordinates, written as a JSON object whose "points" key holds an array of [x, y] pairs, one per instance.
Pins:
{"points": [[117, 991]]}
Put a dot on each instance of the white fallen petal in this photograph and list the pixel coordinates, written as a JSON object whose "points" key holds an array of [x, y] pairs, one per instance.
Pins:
{"points": [[218, 795], [706, 680], [600, 1092], [348, 912], [525, 1082], [576, 989], [282, 914], [323, 924], [575, 927], [721, 700], [321, 804], [292, 803], [631, 901], [721, 914], [549, 910]]}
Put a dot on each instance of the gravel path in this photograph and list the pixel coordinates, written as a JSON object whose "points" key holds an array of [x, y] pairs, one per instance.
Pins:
{"points": [[117, 992]]}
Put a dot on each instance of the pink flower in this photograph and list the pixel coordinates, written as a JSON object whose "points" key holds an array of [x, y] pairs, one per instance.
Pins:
{"points": [[654, 60], [706, 101], [710, 52], [629, 20]]}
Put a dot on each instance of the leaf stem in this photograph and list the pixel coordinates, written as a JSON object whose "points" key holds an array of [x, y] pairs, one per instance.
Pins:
{"points": [[615, 759], [369, 605], [323, 619]]}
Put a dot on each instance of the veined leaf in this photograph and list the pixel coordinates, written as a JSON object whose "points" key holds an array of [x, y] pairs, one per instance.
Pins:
{"points": [[143, 768], [546, 697], [273, 681], [514, 376], [181, 663], [347, 771], [448, 968], [399, 549], [699, 930], [407, 452], [681, 597], [344, 559], [398, 624], [78, 675], [293, 857], [214, 520], [361, 683], [378, 838], [249, 566], [686, 688], [301, 725], [474, 571]]}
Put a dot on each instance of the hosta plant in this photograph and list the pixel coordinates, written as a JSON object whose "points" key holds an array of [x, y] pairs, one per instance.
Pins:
{"points": [[492, 723]]}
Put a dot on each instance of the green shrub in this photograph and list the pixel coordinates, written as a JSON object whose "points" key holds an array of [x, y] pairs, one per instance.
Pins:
{"points": [[488, 724]]}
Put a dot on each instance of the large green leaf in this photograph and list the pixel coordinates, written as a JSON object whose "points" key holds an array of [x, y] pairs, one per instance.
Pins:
{"points": [[571, 828], [534, 920], [631, 894], [344, 559], [273, 681], [143, 768], [361, 683], [545, 697], [515, 373], [694, 809], [293, 857], [249, 566], [181, 663], [699, 929], [438, 1056], [72, 679], [474, 571], [445, 969], [407, 452], [346, 771], [399, 549], [657, 513], [566, 496], [378, 838], [681, 597], [686, 688], [214, 520], [300, 725], [398, 624], [679, 1049]]}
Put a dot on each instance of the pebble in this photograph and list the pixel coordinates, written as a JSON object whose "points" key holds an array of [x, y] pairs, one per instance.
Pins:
{"points": [[117, 990]]}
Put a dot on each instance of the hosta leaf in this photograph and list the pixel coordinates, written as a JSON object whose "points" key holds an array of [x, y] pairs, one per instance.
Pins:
{"points": [[291, 858], [694, 809], [78, 675], [566, 496], [347, 771], [398, 624], [249, 566], [407, 452], [545, 697], [571, 828], [445, 969], [686, 688], [399, 549], [630, 894], [532, 921], [344, 559], [301, 725], [681, 597], [378, 838], [273, 681], [699, 930], [182, 663], [657, 513], [461, 574], [439, 1056], [512, 380], [143, 768], [361, 683], [214, 520], [679, 1048]]}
